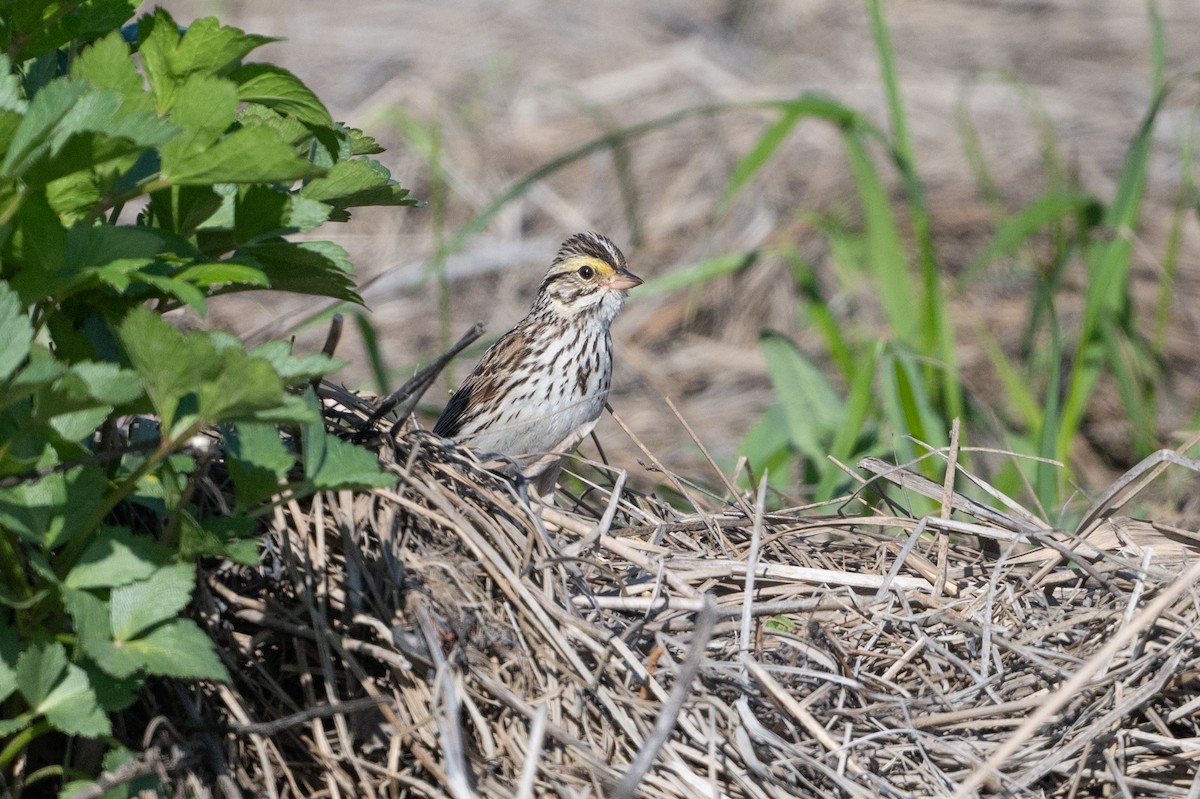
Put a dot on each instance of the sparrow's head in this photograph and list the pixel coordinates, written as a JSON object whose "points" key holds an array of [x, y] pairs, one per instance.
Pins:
{"points": [[588, 272]]}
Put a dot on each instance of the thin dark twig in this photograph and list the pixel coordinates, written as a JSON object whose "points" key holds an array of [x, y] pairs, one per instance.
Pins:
{"points": [[332, 339], [269, 728], [103, 456], [416, 385]]}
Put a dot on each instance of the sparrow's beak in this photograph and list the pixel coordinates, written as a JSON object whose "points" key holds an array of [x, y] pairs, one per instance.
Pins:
{"points": [[622, 280]]}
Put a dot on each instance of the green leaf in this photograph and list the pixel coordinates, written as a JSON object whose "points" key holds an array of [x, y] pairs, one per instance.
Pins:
{"points": [[357, 182], [40, 667], [310, 267], [84, 396], [93, 632], [248, 155], [107, 64], [206, 48], [116, 557], [218, 384], [243, 384], [279, 89], [113, 693], [296, 369], [46, 112], [183, 209], [360, 143], [16, 331], [39, 243], [179, 649], [180, 290], [84, 256], [812, 409], [262, 212], [71, 126], [138, 606], [214, 275], [52, 510], [61, 691], [257, 460], [205, 108], [330, 463], [40, 28], [12, 98], [340, 464], [217, 537]]}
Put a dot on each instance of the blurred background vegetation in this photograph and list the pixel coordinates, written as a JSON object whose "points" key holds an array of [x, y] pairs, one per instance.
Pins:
{"points": [[858, 222]]}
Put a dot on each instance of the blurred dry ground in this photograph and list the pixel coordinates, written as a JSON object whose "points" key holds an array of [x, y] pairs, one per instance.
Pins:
{"points": [[481, 93]]}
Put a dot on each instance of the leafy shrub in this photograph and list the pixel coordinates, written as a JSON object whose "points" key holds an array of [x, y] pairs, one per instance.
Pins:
{"points": [[99, 526]]}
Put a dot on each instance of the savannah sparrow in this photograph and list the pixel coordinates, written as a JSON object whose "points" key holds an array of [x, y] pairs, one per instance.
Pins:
{"points": [[541, 387]]}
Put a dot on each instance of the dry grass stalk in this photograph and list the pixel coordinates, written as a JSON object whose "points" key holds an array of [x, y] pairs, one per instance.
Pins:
{"points": [[455, 637]]}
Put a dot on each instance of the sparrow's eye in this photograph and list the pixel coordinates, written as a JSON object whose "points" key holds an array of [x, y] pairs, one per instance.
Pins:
{"points": [[586, 272]]}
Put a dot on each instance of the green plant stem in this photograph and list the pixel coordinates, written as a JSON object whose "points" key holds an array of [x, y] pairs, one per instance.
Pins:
{"points": [[10, 567], [22, 739], [75, 547]]}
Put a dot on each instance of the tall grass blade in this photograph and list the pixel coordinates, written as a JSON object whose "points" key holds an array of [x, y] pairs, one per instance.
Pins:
{"points": [[818, 315], [812, 410], [379, 371], [885, 249], [696, 274], [760, 153], [908, 407], [1046, 475], [936, 336], [1106, 298], [791, 113], [1017, 393], [1013, 232], [860, 403]]}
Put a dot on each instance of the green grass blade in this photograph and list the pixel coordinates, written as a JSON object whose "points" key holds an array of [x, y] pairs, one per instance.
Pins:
{"points": [[860, 403], [818, 315], [1158, 49], [1014, 231], [379, 372], [812, 409], [1183, 207], [891, 82], [1134, 373], [768, 452], [1017, 393], [885, 248], [791, 113], [762, 151], [696, 274], [1046, 476], [1107, 291], [908, 408]]}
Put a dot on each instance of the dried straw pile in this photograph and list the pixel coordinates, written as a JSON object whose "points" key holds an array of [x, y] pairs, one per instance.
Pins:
{"points": [[453, 637]]}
